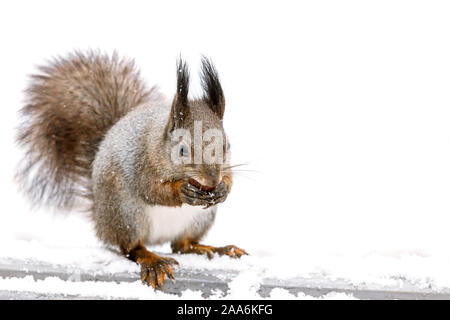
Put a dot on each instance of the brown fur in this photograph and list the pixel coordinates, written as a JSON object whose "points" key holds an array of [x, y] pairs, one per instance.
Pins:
{"points": [[153, 267], [228, 180], [70, 106]]}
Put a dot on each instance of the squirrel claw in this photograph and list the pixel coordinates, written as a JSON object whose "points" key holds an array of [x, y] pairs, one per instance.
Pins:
{"points": [[153, 273], [231, 251], [197, 197]]}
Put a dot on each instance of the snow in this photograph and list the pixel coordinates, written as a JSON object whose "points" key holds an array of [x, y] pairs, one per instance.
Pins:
{"points": [[54, 285], [283, 294], [79, 250], [341, 110], [112, 290]]}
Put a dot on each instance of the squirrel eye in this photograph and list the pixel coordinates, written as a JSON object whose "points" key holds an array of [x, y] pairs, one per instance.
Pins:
{"points": [[184, 152]]}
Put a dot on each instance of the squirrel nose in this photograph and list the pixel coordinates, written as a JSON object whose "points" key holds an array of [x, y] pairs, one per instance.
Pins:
{"points": [[212, 181], [206, 182], [211, 176]]}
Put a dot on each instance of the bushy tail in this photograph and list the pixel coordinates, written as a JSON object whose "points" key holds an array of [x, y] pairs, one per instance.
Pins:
{"points": [[70, 106]]}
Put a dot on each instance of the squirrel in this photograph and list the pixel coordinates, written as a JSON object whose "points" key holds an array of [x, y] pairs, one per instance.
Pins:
{"points": [[92, 129]]}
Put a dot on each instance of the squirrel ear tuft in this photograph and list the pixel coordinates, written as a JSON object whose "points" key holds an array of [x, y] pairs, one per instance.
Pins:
{"points": [[182, 82], [213, 93], [180, 106]]}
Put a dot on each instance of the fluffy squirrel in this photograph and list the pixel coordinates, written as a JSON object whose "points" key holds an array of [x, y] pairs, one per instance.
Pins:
{"points": [[93, 130]]}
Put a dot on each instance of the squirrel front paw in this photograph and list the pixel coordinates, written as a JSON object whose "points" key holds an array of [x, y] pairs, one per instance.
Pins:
{"points": [[154, 271], [195, 196]]}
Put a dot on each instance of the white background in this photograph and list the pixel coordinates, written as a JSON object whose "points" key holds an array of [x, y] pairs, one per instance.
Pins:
{"points": [[341, 107]]}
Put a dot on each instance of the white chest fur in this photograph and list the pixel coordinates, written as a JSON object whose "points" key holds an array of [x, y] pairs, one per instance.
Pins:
{"points": [[166, 223]]}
